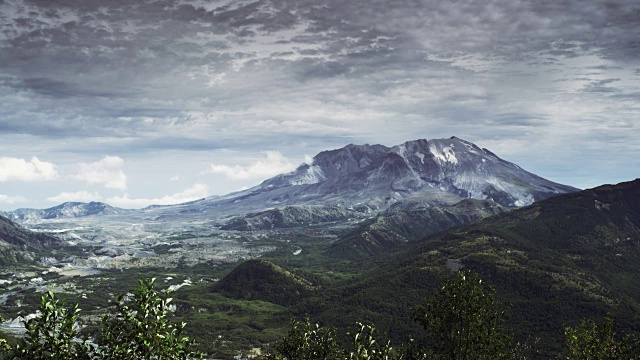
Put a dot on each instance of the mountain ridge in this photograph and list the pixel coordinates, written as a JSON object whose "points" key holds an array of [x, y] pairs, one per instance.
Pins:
{"points": [[441, 172], [64, 210], [447, 166]]}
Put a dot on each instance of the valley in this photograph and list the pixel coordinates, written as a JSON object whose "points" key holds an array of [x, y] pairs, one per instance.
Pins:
{"points": [[107, 255]]}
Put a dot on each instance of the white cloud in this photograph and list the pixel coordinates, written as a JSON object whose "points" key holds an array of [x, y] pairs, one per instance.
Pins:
{"points": [[11, 199], [195, 192], [274, 163], [23, 170], [82, 196], [308, 159], [106, 171]]}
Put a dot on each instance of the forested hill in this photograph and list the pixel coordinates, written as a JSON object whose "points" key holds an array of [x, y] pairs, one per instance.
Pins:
{"points": [[556, 261]]}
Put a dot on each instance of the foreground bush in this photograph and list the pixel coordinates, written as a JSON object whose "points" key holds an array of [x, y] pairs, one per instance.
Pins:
{"points": [[308, 341], [140, 329], [593, 341], [465, 320], [53, 333]]}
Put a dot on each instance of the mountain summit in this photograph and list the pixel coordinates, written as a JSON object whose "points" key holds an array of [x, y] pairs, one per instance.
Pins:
{"points": [[444, 171]]}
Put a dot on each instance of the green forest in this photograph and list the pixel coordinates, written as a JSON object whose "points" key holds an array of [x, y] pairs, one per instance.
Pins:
{"points": [[463, 319]]}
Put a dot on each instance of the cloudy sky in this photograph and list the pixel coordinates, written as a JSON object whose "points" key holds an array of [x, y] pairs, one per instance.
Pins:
{"points": [[164, 101]]}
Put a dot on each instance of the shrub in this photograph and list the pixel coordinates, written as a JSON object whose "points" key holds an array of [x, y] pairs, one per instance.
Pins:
{"points": [[53, 333], [465, 320], [592, 341], [141, 329], [310, 342]]}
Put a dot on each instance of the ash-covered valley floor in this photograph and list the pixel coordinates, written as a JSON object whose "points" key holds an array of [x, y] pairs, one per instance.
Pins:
{"points": [[107, 254]]}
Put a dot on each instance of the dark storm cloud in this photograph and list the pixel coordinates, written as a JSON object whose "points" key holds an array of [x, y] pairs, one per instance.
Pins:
{"points": [[502, 23], [634, 96]]}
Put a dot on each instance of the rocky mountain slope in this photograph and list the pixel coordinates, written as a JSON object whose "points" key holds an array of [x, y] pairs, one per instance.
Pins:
{"points": [[441, 171], [294, 216], [423, 185], [407, 221], [16, 242], [13, 235], [65, 210]]}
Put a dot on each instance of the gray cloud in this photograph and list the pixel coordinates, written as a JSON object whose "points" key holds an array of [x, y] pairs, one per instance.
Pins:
{"points": [[601, 86], [61, 89]]}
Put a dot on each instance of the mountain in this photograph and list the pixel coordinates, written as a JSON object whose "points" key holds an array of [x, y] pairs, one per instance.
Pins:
{"points": [[397, 194], [407, 221], [440, 171], [555, 262], [65, 210]]}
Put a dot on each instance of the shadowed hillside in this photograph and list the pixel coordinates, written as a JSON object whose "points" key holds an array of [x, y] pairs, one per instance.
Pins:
{"points": [[263, 280]]}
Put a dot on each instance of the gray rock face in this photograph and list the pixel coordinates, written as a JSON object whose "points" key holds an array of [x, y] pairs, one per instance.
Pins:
{"points": [[294, 216]]}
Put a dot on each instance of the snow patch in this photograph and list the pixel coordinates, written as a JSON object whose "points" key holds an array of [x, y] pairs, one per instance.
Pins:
{"points": [[447, 154], [402, 149], [469, 147], [420, 156], [364, 162]]}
